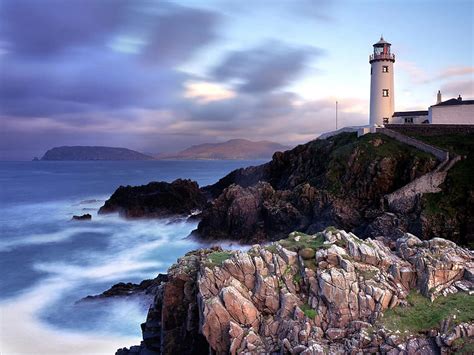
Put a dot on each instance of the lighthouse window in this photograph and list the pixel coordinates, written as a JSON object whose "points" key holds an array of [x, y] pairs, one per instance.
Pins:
{"points": [[385, 92], [385, 69]]}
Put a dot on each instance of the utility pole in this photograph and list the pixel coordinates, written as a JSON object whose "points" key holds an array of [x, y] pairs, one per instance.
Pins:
{"points": [[336, 115]]}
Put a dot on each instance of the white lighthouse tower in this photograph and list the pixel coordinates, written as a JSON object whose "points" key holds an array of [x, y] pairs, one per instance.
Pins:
{"points": [[381, 84]]}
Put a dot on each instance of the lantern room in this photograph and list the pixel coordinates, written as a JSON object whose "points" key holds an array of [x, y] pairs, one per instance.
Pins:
{"points": [[382, 51]]}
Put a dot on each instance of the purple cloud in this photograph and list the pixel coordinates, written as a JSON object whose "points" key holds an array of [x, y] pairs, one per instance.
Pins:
{"points": [[268, 67]]}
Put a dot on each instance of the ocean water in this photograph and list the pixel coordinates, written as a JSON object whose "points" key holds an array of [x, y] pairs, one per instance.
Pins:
{"points": [[48, 262]]}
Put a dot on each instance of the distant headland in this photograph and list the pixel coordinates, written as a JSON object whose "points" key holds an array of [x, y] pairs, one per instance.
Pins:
{"points": [[77, 153], [232, 149]]}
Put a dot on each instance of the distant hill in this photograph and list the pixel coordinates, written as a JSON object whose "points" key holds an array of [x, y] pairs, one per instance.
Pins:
{"points": [[232, 149], [93, 153]]}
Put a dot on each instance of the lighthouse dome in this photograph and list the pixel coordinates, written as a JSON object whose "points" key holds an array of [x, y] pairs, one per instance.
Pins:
{"points": [[381, 42]]}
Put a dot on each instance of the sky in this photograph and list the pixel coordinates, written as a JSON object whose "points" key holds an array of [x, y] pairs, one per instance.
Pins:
{"points": [[159, 76]]}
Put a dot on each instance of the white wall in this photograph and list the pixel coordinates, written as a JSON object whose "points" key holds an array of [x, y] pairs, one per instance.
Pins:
{"points": [[456, 114], [401, 120], [380, 106]]}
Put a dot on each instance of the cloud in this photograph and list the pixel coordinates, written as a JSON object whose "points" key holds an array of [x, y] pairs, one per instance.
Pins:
{"points": [[455, 71], [83, 56], [205, 92], [32, 27], [175, 33], [103, 82], [451, 89], [267, 67]]}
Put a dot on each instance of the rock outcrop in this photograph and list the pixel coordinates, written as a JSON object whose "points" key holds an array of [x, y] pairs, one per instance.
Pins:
{"points": [[330, 292], [156, 199], [123, 289], [84, 217], [340, 181]]}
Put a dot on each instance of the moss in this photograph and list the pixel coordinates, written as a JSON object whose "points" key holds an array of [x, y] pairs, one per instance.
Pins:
{"points": [[310, 264], [297, 278], [363, 152], [341, 243], [331, 229], [464, 345], [422, 315], [308, 311], [272, 248], [218, 257], [304, 241], [368, 274], [454, 202]]}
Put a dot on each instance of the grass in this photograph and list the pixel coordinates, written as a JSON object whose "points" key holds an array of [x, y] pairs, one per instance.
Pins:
{"points": [[422, 315], [365, 151], [304, 241], [455, 198], [308, 311], [218, 257], [464, 345]]}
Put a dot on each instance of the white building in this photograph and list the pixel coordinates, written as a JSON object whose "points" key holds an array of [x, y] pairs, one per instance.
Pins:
{"points": [[409, 117], [453, 111], [382, 98]]}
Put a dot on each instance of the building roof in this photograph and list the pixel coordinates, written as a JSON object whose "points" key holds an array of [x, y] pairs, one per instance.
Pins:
{"points": [[410, 113], [381, 42], [452, 102]]}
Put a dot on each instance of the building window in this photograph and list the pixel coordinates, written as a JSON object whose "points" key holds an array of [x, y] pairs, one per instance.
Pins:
{"points": [[385, 69], [408, 119], [385, 120], [385, 92], [370, 70]]}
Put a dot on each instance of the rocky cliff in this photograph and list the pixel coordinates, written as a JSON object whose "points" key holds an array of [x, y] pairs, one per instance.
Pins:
{"points": [[343, 181], [330, 292], [339, 181]]}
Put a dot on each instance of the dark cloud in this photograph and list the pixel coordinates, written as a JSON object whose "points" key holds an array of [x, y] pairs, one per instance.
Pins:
{"points": [[265, 68], [103, 82], [32, 27], [176, 33], [59, 57]]}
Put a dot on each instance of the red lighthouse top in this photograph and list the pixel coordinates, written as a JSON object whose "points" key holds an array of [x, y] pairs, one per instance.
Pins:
{"points": [[382, 52]]}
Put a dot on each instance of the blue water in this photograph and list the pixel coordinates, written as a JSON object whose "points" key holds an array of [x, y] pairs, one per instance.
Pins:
{"points": [[49, 262]]}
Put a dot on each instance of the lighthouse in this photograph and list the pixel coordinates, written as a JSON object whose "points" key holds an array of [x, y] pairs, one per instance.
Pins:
{"points": [[381, 84]]}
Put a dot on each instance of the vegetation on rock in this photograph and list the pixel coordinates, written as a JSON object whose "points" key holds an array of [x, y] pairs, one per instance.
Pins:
{"points": [[422, 315]]}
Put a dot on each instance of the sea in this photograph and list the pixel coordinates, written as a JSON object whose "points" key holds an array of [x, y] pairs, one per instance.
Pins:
{"points": [[49, 263]]}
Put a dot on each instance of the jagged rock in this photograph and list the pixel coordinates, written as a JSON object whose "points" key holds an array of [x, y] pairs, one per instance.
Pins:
{"points": [[271, 300], [156, 199], [84, 217], [129, 289]]}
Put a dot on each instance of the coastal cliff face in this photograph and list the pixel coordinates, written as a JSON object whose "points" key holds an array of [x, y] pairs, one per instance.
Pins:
{"points": [[339, 181], [330, 292]]}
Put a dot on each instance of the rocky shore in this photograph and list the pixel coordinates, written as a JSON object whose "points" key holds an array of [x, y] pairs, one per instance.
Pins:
{"points": [[342, 181], [330, 292]]}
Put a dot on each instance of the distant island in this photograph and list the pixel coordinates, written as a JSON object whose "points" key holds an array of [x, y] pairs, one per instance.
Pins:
{"points": [[232, 149], [93, 153]]}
